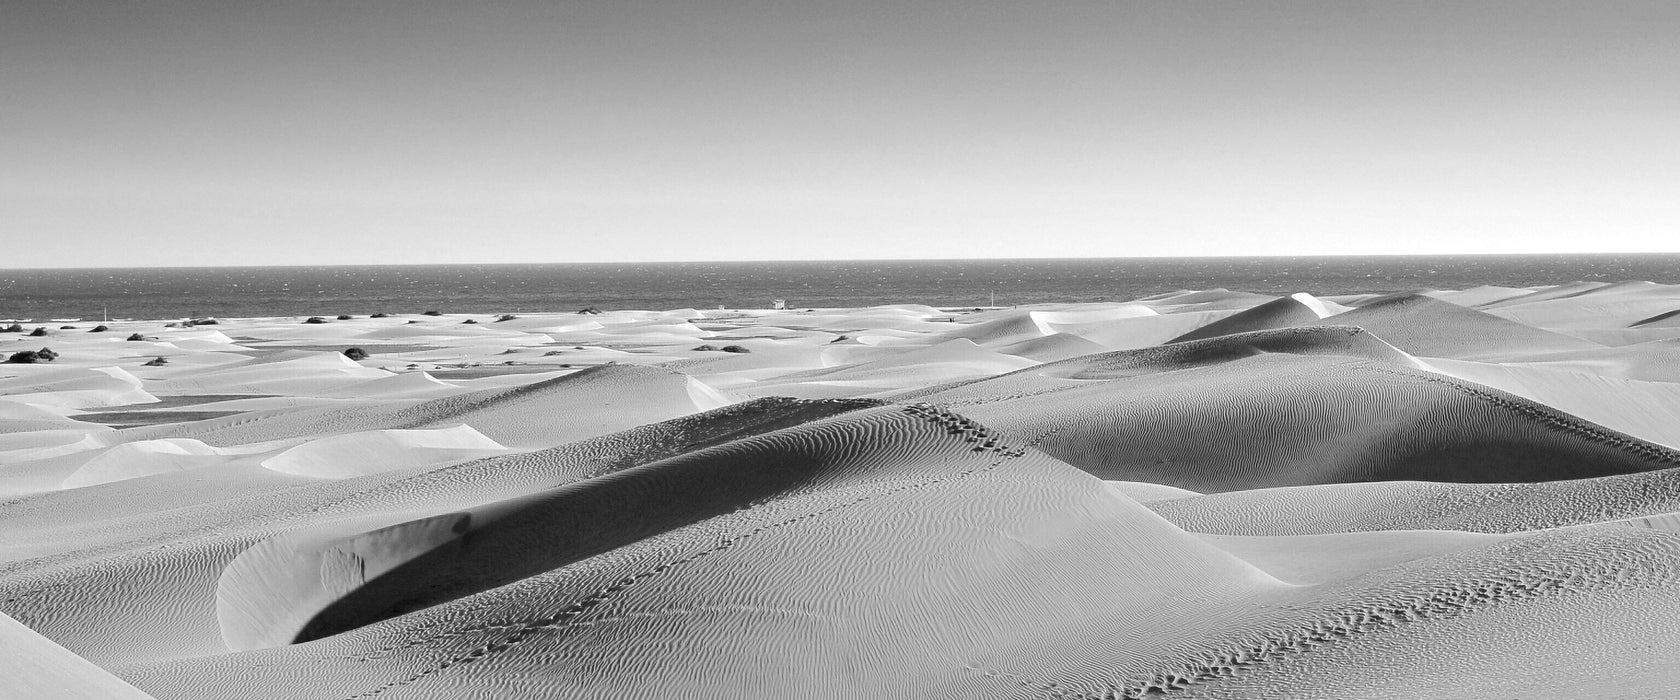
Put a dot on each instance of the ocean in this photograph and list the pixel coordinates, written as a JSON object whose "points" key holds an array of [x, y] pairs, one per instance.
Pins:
{"points": [[168, 293]]}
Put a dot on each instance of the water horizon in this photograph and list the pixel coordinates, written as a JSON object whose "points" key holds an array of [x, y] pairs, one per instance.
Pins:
{"points": [[292, 290]]}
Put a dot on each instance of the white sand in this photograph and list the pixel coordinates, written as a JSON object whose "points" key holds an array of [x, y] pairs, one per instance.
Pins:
{"points": [[1204, 494]]}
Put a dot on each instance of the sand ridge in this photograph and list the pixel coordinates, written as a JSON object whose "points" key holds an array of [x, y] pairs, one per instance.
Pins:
{"points": [[1200, 494]]}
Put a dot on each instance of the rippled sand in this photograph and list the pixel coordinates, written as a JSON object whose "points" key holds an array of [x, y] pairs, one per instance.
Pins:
{"points": [[1205, 494]]}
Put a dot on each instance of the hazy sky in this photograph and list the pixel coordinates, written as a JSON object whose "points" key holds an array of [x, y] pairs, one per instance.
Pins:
{"points": [[219, 133]]}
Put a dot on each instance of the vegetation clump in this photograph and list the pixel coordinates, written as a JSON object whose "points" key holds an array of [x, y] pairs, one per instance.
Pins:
{"points": [[356, 353], [101, 328], [158, 362], [469, 321], [38, 332], [590, 310], [433, 312], [704, 348], [14, 328], [735, 348], [315, 319], [29, 357], [67, 328], [380, 315], [203, 322], [345, 317], [505, 317], [136, 337]]}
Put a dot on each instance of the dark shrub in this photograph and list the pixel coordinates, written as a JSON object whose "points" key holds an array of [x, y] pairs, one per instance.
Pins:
{"points": [[836, 340], [704, 348], [101, 328], [203, 322], [505, 317], [14, 328], [47, 354], [413, 322], [552, 353], [136, 336], [345, 317], [380, 315], [356, 353], [24, 357], [38, 332], [433, 312], [67, 328], [159, 362], [734, 348], [315, 319], [469, 321], [590, 310]]}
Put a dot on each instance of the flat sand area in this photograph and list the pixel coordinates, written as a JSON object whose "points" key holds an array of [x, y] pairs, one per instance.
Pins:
{"points": [[1450, 493]]}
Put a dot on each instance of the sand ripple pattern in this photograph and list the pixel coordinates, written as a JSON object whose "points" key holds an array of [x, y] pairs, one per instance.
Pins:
{"points": [[1193, 495]]}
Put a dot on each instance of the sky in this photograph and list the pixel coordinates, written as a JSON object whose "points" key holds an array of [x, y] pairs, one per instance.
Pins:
{"points": [[168, 132]]}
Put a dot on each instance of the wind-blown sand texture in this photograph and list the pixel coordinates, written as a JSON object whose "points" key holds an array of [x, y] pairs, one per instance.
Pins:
{"points": [[1449, 493]]}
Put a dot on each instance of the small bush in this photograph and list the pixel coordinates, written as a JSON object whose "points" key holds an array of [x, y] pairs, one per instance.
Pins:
{"points": [[355, 353], [505, 317], [38, 332], [14, 328], [24, 357], [101, 328], [552, 353], [47, 354], [136, 336], [844, 337], [735, 348], [315, 319], [433, 312], [345, 317], [159, 362], [590, 310], [412, 322], [704, 348], [67, 328], [380, 315], [203, 322], [469, 321]]}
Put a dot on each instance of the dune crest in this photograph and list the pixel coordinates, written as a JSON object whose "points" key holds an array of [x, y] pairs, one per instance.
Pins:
{"points": [[1199, 494]]}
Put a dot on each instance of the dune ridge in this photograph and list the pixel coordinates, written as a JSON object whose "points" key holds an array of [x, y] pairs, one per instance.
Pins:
{"points": [[1199, 494]]}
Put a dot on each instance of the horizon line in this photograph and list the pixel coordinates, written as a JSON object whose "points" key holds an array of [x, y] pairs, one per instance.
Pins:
{"points": [[845, 260]]}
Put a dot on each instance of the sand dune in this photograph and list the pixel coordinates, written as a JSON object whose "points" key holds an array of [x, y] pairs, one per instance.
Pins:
{"points": [[1205, 494]]}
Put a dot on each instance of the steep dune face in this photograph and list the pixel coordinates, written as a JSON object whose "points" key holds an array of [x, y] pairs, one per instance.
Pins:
{"points": [[1293, 498], [1012, 550], [1421, 325], [1280, 420], [1278, 313], [1292, 407]]}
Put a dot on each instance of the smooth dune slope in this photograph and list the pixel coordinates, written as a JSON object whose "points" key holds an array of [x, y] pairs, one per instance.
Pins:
{"points": [[1199, 494]]}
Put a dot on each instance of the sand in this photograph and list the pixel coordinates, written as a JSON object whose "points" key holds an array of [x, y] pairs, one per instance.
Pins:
{"points": [[1204, 494]]}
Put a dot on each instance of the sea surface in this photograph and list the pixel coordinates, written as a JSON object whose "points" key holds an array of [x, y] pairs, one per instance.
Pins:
{"points": [[167, 293]]}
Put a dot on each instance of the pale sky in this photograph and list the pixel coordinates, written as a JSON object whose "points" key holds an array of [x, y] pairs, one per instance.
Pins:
{"points": [[413, 131]]}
